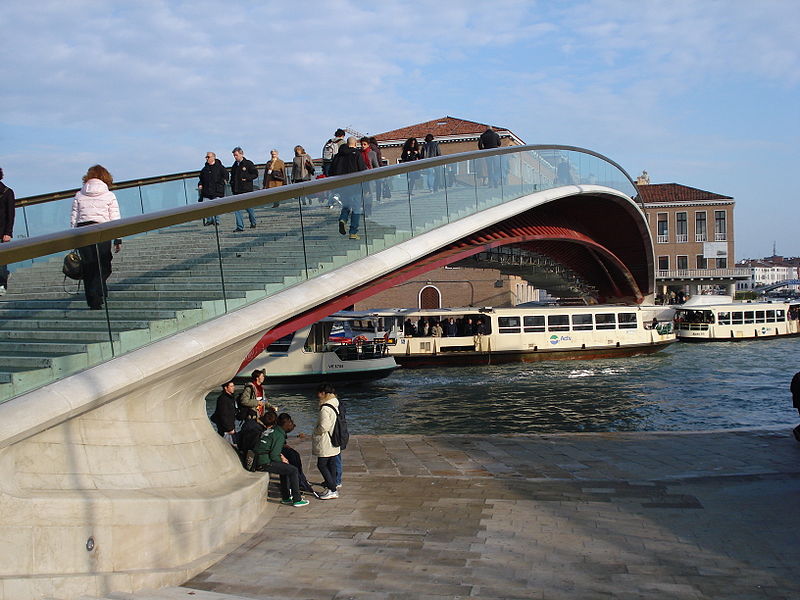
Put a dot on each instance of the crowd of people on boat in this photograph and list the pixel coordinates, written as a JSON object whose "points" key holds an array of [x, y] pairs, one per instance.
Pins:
{"points": [[259, 434], [448, 327]]}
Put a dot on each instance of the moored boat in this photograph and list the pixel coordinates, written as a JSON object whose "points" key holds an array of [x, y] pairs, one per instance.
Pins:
{"points": [[463, 336], [316, 353], [718, 318]]}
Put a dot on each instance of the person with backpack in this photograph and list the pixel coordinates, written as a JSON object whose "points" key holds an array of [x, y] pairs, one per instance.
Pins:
{"points": [[249, 434], [268, 458], [252, 396], [330, 150], [322, 443], [224, 416]]}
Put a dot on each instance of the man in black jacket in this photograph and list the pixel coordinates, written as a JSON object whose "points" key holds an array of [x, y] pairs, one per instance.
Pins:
{"points": [[213, 177], [224, 416], [349, 160], [243, 172], [490, 139], [6, 226]]}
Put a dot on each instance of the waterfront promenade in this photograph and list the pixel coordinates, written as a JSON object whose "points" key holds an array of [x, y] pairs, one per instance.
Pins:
{"points": [[580, 516]]}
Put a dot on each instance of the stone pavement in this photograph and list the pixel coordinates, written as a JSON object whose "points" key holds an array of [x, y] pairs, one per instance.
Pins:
{"points": [[579, 516]]}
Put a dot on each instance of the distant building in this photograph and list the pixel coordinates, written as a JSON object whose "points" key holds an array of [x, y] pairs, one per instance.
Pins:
{"points": [[768, 271], [454, 136], [693, 238], [452, 287]]}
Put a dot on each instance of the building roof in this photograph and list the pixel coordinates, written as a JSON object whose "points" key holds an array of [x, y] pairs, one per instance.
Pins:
{"points": [[446, 126], [675, 192]]}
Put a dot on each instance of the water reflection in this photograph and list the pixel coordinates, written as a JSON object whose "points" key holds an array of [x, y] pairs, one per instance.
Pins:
{"points": [[686, 387]]}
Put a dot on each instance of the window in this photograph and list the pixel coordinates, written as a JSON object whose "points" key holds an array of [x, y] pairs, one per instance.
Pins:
{"points": [[760, 318], [720, 226], [627, 320], [749, 317], [663, 229], [702, 263], [737, 318], [681, 227], [724, 318], [508, 324], [700, 226], [281, 345], [722, 263], [582, 322], [663, 263], [558, 323], [683, 263], [770, 316], [534, 324], [780, 315], [606, 321]]}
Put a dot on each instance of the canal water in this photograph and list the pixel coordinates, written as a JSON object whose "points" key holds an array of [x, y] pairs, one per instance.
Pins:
{"points": [[686, 387]]}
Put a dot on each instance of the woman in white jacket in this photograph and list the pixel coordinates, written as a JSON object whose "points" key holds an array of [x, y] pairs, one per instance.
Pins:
{"points": [[321, 446], [94, 203]]}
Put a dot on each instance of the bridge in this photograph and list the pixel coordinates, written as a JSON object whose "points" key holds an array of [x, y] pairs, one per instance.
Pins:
{"points": [[775, 286], [112, 476]]}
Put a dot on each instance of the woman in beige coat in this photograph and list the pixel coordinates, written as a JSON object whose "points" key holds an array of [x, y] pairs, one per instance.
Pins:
{"points": [[321, 445], [274, 173]]}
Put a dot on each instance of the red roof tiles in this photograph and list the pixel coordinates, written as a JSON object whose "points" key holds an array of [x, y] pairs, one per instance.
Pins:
{"points": [[675, 192], [446, 126]]}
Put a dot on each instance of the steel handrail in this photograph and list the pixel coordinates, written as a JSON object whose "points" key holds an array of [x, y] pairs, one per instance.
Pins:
{"points": [[60, 241]]}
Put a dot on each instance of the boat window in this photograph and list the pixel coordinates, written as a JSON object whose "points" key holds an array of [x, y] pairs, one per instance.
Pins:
{"points": [[627, 320], [508, 324], [558, 323], [737, 318], [760, 318], [780, 314], [581, 322], [606, 320], [748, 316], [724, 318], [534, 324], [281, 345], [770, 316]]}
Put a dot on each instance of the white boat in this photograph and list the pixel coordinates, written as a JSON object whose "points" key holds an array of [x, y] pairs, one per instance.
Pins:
{"points": [[520, 334], [316, 353], [719, 318]]}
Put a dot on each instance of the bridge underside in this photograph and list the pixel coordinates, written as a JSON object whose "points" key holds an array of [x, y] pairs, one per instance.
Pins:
{"points": [[598, 238]]}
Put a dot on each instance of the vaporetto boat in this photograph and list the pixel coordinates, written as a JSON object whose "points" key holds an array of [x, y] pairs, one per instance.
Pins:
{"points": [[323, 352], [718, 318], [463, 336]]}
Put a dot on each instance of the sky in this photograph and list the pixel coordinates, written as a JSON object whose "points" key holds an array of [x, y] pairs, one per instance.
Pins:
{"points": [[703, 93]]}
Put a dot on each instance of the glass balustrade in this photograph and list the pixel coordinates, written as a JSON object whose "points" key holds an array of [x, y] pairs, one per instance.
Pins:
{"points": [[172, 278]]}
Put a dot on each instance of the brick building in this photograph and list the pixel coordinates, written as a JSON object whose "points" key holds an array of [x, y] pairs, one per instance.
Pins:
{"points": [[454, 136], [693, 237]]}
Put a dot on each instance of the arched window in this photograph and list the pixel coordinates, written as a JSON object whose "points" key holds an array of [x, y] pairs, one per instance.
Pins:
{"points": [[430, 297]]}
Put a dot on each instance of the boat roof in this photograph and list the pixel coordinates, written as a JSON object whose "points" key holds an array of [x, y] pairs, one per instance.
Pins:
{"points": [[735, 305], [475, 310]]}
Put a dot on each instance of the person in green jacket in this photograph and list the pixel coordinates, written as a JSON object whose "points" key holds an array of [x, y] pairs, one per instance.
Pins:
{"points": [[268, 458]]}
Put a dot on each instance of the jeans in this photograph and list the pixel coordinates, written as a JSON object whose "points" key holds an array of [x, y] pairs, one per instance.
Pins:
{"points": [[290, 483], [338, 469], [327, 467], [251, 214], [209, 220], [293, 456]]}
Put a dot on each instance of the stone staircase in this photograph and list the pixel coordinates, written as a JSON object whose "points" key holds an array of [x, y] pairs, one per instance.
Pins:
{"points": [[168, 280]]}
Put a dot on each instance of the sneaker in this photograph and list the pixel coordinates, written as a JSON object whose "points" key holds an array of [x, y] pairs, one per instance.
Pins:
{"points": [[300, 502], [328, 495], [287, 501], [252, 225], [355, 236], [342, 229], [2, 290], [237, 230], [338, 486]]}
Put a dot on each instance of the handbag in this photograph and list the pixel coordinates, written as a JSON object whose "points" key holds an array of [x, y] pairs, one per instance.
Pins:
{"points": [[73, 268]]}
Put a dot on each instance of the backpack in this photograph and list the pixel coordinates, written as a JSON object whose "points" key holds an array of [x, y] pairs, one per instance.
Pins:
{"points": [[339, 436], [242, 410], [329, 150]]}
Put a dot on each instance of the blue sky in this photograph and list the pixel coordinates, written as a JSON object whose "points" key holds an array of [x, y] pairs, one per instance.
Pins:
{"points": [[700, 93]]}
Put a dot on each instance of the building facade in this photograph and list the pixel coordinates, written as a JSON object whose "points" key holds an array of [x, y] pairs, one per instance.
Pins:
{"points": [[693, 238], [769, 271]]}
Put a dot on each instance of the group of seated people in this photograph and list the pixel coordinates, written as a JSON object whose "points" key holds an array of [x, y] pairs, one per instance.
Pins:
{"points": [[258, 433], [449, 327]]}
